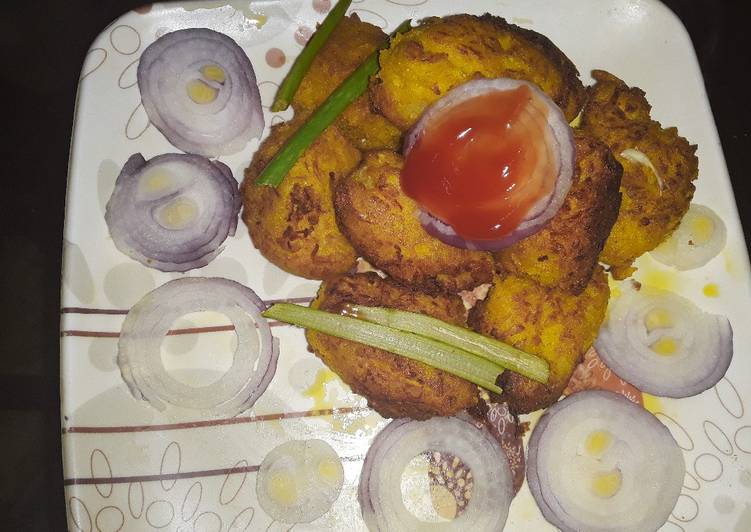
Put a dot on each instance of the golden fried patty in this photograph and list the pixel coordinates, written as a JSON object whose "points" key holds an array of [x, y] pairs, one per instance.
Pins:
{"points": [[293, 225], [347, 47], [547, 322], [565, 252], [381, 222], [423, 64], [653, 202], [395, 386]]}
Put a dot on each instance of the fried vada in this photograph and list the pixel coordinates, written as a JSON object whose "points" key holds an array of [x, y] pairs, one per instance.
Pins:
{"points": [[293, 225], [658, 169], [565, 252], [543, 321], [351, 42], [424, 63], [381, 223], [394, 386]]}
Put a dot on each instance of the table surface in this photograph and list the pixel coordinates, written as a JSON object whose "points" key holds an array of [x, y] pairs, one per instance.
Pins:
{"points": [[39, 78]]}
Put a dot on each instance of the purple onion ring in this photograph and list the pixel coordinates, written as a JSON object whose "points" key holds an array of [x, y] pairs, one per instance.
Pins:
{"points": [[701, 343], [172, 64], [254, 361], [173, 212], [401, 440], [598, 462], [546, 207]]}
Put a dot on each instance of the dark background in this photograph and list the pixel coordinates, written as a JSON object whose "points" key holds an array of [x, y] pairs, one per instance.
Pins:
{"points": [[43, 44]]}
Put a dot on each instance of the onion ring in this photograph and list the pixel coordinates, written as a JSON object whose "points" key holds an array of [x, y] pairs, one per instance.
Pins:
{"points": [[173, 212], [253, 364], [598, 462], [299, 480], [557, 131], [199, 89], [396, 445], [698, 239], [663, 344]]}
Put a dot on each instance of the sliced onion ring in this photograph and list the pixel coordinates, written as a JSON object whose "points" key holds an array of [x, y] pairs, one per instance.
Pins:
{"points": [[698, 239], [639, 157], [299, 480], [599, 462], [396, 445], [560, 135], [173, 212], [199, 89], [663, 344], [146, 324]]}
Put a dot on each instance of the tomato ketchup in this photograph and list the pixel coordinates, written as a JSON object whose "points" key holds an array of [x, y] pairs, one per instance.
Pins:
{"points": [[482, 163]]}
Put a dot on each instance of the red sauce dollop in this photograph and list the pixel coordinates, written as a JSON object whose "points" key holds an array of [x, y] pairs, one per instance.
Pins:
{"points": [[482, 163]]}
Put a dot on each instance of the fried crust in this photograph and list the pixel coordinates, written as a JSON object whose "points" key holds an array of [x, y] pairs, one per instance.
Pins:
{"points": [[347, 47], [551, 323], [293, 225], [394, 386], [424, 63], [565, 252], [652, 206], [381, 223]]}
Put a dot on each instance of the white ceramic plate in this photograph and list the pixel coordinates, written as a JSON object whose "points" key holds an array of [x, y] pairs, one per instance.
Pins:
{"points": [[128, 467]]}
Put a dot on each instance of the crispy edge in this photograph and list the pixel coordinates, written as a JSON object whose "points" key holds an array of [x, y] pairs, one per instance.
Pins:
{"points": [[394, 386], [565, 252], [294, 225], [550, 323], [619, 115], [570, 95], [347, 47], [381, 224]]}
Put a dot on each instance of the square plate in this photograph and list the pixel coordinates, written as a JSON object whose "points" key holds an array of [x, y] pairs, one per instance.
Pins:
{"points": [[130, 467]]}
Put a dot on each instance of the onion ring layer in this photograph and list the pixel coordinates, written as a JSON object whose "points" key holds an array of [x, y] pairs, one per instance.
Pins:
{"points": [[698, 239], [199, 89], [396, 445], [146, 324], [299, 480], [173, 212], [555, 130], [599, 462], [663, 344]]}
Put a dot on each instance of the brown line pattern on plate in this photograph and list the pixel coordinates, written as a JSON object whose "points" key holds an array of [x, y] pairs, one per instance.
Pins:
{"points": [[142, 503], [117, 510], [175, 445], [173, 332], [79, 481], [84, 310], [84, 76], [107, 491], [135, 32], [237, 489], [686, 519], [234, 525], [717, 437], [207, 513], [120, 311], [120, 78], [75, 515], [737, 397], [215, 422], [90, 334], [83, 481], [703, 476], [186, 499], [130, 119]]}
